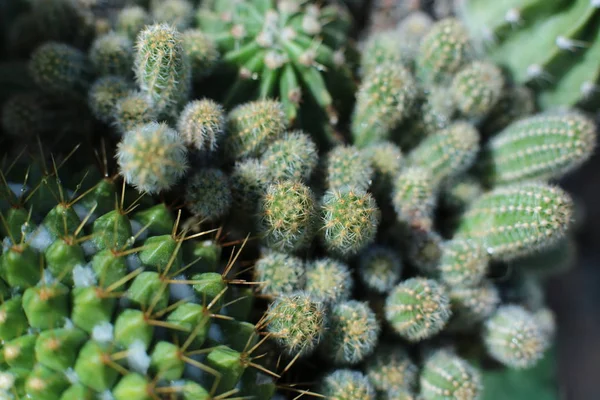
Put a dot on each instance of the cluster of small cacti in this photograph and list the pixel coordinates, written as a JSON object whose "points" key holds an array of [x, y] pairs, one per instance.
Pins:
{"points": [[553, 46], [269, 224]]}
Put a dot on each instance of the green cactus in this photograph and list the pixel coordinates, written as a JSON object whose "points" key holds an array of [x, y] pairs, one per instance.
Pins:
{"points": [[328, 280], [112, 54], [391, 369], [551, 46], [201, 124], [346, 384], [104, 95], [294, 157], [447, 376]]}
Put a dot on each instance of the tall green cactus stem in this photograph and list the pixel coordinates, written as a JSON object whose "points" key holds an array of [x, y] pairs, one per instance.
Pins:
{"points": [[112, 54], [162, 68], [202, 53], [541, 147], [208, 194], [443, 51], [296, 322], [253, 126], [352, 333], [328, 280], [517, 220], [152, 157], [384, 99], [476, 89], [418, 308], [279, 273], [379, 268], [294, 157], [350, 219], [515, 338], [104, 94], [60, 69], [553, 47], [446, 376], [348, 166], [288, 216], [448, 152], [463, 263], [413, 197], [201, 124], [346, 384], [291, 47], [391, 368], [133, 110]]}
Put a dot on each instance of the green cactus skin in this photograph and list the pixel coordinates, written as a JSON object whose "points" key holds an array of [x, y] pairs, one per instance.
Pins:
{"points": [[162, 69], [352, 333], [253, 126], [411, 31], [541, 147], [472, 305], [350, 219], [380, 48], [379, 268], [152, 157], [418, 309], [296, 322], [279, 273], [517, 220], [278, 43], [202, 53], [446, 376], [208, 194], [448, 152], [387, 161], [414, 197], [384, 99], [390, 369], [133, 110], [515, 338], [328, 280], [112, 54], [346, 384], [477, 88], [176, 13], [201, 124], [443, 51], [348, 166], [288, 216], [59, 68], [130, 20], [294, 157], [463, 263], [104, 95], [561, 60]]}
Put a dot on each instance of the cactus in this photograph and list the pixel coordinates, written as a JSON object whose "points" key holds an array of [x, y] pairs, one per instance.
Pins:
{"points": [[352, 333], [162, 68], [104, 95], [346, 384], [515, 338], [293, 157], [417, 308], [202, 53], [506, 221], [279, 273], [328, 280], [472, 305], [477, 88], [379, 268], [540, 148], [201, 124], [112, 54], [447, 376], [294, 47], [563, 68], [131, 20], [177, 13], [347, 166], [208, 194], [414, 198], [152, 157], [391, 369], [132, 110], [463, 263]]}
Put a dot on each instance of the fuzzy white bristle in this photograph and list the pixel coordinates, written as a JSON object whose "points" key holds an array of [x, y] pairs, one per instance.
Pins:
{"points": [[103, 332], [40, 239], [84, 276], [137, 358], [71, 376], [68, 324], [7, 381]]}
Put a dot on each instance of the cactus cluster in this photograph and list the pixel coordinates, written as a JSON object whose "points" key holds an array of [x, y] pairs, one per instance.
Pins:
{"points": [[171, 230]]}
